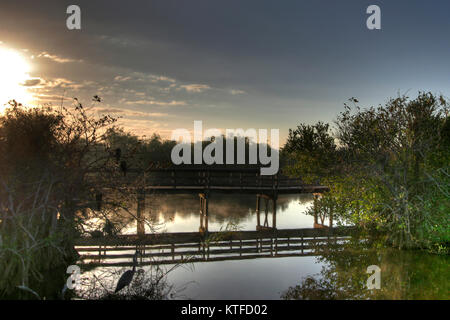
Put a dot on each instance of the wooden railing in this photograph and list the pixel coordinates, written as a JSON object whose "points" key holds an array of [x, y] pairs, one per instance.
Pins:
{"points": [[217, 177], [218, 246]]}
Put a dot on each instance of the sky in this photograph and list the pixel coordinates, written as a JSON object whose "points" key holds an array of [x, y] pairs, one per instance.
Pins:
{"points": [[160, 65]]}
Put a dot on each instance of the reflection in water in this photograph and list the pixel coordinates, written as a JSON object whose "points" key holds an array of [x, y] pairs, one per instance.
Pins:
{"points": [[404, 274], [147, 284], [180, 213], [334, 273]]}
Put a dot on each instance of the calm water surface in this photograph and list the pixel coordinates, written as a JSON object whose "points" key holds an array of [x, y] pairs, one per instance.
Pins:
{"points": [[406, 275]]}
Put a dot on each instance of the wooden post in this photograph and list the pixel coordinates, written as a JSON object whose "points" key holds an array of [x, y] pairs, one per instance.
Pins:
{"points": [[240, 248], [266, 212], [271, 246], [258, 218], [274, 213], [201, 213], [303, 243], [206, 213], [276, 245], [140, 227], [172, 248], [276, 181]]}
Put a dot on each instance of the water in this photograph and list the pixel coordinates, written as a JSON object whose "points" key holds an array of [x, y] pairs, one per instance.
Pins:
{"points": [[336, 273], [250, 279], [263, 278], [180, 213]]}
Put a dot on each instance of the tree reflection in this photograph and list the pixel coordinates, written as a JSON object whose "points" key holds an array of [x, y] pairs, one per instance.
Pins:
{"points": [[404, 274], [148, 284]]}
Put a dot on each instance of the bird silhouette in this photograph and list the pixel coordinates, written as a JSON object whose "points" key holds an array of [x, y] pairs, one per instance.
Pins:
{"points": [[98, 201], [128, 275], [123, 167], [118, 154], [62, 294]]}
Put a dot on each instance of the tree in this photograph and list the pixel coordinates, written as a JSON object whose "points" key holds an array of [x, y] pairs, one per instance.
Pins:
{"points": [[390, 169], [46, 155]]}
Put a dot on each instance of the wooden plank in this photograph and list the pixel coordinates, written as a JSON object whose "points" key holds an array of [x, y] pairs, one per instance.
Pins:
{"points": [[187, 237], [194, 260], [241, 243], [196, 252], [193, 237]]}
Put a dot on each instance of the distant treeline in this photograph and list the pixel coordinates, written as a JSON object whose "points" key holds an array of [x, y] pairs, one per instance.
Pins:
{"points": [[155, 152]]}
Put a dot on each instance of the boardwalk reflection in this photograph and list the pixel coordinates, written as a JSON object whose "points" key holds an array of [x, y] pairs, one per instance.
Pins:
{"points": [[186, 247]]}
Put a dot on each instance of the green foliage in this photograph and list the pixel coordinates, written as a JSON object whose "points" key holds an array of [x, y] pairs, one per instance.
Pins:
{"points": [[45, 156], [312, 145], [405, 274], [388, 170], [140, 153]]}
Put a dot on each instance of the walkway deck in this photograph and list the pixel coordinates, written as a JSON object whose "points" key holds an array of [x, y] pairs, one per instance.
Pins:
{"points": [[221, 180], [183, 247]]}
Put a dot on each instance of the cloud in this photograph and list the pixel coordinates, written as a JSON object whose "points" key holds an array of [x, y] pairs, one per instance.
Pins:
{"points": [[49, 98], [155, 102], [139, 76], [120, 41], [154, 78], [62, 83], [142, 127], [121, 78], [236, 92], [163, 78], [127, 112], [56, 58], [31, 82], [195, 87]]}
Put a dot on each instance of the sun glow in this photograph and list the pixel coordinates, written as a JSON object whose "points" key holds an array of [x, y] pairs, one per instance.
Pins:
{"points": [[14, 71]]}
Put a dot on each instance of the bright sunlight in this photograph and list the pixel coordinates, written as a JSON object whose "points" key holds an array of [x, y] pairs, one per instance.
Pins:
{"points": [[14, 71]]}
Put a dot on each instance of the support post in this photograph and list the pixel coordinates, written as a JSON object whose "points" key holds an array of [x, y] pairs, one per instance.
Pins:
{"points": [[267, 200], [266, 212], [258, 217], [203, 212], [140, 227], [206, 212], [274, 213]]}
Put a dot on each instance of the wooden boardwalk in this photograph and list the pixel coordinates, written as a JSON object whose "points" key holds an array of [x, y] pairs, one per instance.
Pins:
{"points": [[188, 247], [220, 180], [202, 246]]}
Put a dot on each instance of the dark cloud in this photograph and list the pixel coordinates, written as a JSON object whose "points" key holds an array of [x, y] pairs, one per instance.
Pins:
{"points": [[31, 83], [294, 60]]}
